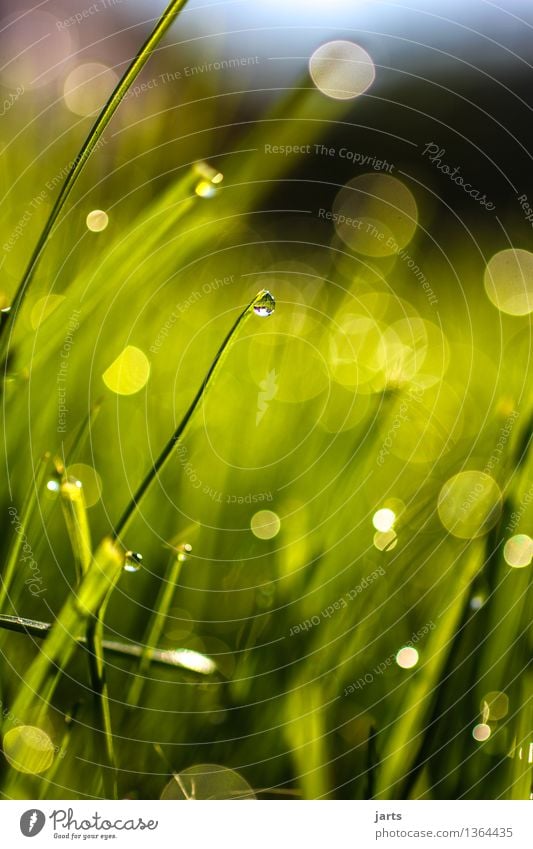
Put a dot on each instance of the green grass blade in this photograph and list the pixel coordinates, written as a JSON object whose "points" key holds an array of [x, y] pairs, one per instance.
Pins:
{"points": [[105, 116], [28, 508], [95, 649], [399, 748], [129, 512], [153, 634], [75, 513], [62, 639]]}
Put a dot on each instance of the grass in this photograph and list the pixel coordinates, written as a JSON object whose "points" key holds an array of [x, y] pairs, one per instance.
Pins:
{"points": [[273, 657]]}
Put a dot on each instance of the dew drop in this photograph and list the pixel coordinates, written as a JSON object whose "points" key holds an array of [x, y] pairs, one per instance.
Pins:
{"points": [[209, 182], [204, 189], [133, 561], [265, 304], [183, 551]]}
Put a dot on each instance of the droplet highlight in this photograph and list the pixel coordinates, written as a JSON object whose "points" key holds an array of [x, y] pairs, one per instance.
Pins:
{"points": [[133, 561], [265, 304]]}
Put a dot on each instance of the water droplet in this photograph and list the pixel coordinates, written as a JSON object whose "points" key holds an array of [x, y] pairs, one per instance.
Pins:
{"points": [[71, 480], [477, 602], [133, 561], [183, 551], [265, 304], [204, 189], [53, 485], [210, 179]]}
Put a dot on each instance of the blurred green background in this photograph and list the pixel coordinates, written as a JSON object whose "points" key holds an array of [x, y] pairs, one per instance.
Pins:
{"points": [[381, 374]]}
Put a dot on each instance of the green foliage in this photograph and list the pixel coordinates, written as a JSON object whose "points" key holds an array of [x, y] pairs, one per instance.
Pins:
{"points": [[302, 629]]}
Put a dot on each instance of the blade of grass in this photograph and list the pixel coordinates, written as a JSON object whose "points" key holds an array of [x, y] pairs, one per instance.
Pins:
{"points": [[153, 634], [400, 747], [75, 513], [27, 511], [62, 638], [34, 628], [152, 474], [99, 684], [77, 523], [63, 746], [105, 116]]}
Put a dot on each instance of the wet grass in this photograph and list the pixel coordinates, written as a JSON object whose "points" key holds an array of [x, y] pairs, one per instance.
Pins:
{"points": [[274, 657]]}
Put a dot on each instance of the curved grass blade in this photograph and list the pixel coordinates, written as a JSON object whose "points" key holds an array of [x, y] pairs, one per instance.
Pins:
{"points": [[77, 523], [400, 748], [63, 636], [140, 60], [129, 512]]}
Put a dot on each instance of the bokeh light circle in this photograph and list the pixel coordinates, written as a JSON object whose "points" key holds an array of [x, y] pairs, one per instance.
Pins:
{"points": [[265, 524], [470, 504], [28, 749], [518, 551], [341, 70], [407, 657], [207, 781], [97, 220], [88, 87], [128, 373], [481, 732], [375, 215], [508, 281]]}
